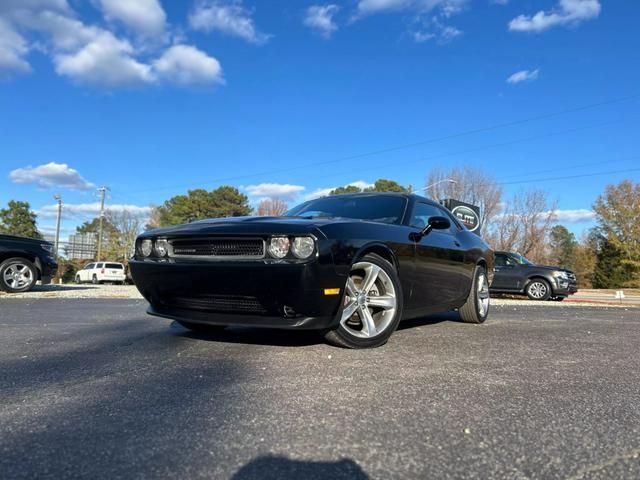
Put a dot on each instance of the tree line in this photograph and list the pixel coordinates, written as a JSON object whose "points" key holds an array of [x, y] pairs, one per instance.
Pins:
{"points": [[607, 256]]}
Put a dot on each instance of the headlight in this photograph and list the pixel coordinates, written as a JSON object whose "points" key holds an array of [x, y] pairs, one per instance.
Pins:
{"points": [[162, 247], [47, 247], [562, 275], [279, 247], [146, 247], [303, 247]]}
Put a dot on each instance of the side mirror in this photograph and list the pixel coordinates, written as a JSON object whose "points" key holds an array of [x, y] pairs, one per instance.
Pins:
{"points": [[435, 223]]}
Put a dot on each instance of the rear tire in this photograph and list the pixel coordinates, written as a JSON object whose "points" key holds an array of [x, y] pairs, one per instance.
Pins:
{"points": [[94, 280], [201, 327], [368, 318], [538, 289], [476, 308]]}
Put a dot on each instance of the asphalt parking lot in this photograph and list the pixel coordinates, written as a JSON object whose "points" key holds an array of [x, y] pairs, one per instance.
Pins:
{"points": [[95, 388]]}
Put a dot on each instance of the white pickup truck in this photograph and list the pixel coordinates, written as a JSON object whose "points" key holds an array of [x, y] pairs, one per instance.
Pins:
{"points": [[100, 272]]}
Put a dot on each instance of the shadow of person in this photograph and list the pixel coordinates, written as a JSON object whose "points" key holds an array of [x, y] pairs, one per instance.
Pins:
{"points": [[281, 468]]}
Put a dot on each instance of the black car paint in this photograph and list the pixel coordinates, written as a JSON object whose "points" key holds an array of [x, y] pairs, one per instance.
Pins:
{"points": [[31, 249], [514, 278], [435, 272]]}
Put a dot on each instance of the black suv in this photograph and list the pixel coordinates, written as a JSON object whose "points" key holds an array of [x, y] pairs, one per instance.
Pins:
{"points": [[516, 274], [24, 261]]}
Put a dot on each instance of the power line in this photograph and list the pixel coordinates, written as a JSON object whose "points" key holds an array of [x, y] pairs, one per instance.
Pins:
{"points": [[497, 145], [581, 175], [404, 146]]}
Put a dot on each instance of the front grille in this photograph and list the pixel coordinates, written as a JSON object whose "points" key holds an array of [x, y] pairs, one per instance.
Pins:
{"points": [[220, 303], [571, 276], [218, 247]]}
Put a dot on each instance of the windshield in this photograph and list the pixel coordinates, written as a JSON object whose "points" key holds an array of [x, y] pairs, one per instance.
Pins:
{"points": [[382, 208], [520, 259]]}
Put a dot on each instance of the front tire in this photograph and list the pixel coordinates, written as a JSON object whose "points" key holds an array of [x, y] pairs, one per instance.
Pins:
{"points": [[538, 289], [372, 305], [476, 308], [17, 275]]}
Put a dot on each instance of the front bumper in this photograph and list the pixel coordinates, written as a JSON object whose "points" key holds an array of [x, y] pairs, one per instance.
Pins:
{"points": [[48, 268], [564, 288], [264, 294]]}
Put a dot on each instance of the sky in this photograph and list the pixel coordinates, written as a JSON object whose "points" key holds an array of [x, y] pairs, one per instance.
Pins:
{"points": [[287, 99]]}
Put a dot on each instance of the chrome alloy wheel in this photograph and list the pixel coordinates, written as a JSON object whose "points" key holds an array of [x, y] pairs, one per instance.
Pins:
{"points": [[482, 294], [370, 301], [537, 290], [17, 276]]}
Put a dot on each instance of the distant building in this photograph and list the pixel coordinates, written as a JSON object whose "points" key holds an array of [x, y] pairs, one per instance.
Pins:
{"points": [[82, 246]]}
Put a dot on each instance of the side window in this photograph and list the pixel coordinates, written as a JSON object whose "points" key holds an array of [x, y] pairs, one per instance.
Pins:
{"points": [[455, 225], [503, 260], [422, 212], [89, 267], [99, 265]]}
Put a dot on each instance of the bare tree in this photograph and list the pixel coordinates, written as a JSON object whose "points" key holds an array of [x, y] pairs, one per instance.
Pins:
{"points": [[154, 218], [128, 226], [524, 225], [469, 185], [271, 207]]}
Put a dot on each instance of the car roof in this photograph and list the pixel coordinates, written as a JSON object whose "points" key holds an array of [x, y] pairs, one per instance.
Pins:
{"points": [[409, 196]]}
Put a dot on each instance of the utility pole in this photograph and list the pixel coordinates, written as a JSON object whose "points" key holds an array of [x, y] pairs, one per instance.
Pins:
{"points": [[102, 191], [58, 199]]}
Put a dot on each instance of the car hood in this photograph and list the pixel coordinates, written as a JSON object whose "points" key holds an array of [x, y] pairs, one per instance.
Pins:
{"points": [[24, 240], [249, 226], [550, 268]]}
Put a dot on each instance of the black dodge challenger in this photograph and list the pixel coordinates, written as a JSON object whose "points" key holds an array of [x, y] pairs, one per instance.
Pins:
{"points": [[352, 266]]}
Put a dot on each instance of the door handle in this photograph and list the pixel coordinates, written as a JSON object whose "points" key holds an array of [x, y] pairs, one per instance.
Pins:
{"points": [[457, 243]]}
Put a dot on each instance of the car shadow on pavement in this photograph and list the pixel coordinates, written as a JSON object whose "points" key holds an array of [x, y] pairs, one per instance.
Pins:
{"points": [[281, 468], [61, 288], [254, 336], [430, 320]]}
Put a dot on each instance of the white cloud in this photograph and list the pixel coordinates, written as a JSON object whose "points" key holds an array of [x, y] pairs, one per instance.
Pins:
{"points": [[448, 7], [78, 210], [143, 16], [523, 76], [567, 12], [105, 61], [282, 191], [13, 47], [574, 216], [93, 55], [228, 17], [323, 192], [186, 65], [430, 20], [58, 175], [432, 28], [320, 18]]}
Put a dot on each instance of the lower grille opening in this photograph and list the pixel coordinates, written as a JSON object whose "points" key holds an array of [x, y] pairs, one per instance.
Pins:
{"points": [[219, 303]]}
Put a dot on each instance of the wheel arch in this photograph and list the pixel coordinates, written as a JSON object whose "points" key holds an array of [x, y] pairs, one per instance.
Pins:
{"points": [[379, 249]]}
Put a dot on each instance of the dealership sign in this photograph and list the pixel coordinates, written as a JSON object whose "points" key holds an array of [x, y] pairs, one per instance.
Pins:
{"points": [[467, 214]]}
